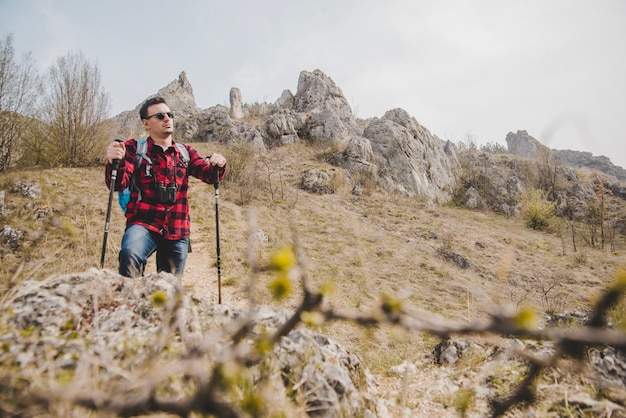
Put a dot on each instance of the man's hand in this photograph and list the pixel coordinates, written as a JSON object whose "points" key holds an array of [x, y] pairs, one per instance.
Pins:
{"points": [[116, 151], [216, 159]]}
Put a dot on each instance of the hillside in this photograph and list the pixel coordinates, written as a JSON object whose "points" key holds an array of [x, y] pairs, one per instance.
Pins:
{"points": [[451, 262]]}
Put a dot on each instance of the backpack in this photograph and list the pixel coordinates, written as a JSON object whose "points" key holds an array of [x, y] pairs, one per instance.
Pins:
{"points": [[123, 196]]}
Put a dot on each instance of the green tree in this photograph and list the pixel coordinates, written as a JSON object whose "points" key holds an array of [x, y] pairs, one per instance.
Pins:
{"points": [[75, 109], [494, 148], [19, 85]]}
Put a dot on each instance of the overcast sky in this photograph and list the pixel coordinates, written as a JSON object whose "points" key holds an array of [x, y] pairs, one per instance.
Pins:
{"points": [[555, 68]]}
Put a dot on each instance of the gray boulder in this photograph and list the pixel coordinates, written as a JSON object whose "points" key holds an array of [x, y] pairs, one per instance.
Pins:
{"points": [[180, 98], [329, 116], [406, 157], [71, 322], [316, 181], [236, 109], [524, 145]]}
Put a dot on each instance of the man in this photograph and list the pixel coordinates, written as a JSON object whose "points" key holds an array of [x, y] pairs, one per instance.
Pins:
{"points": [[157, 215]]}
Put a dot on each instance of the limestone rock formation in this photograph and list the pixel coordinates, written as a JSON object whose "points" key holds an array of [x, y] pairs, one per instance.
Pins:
{"points": [[524, 145], [405, 157], [236, 109], [396, 149], [179, 97], [330, 117], [121, 340]]}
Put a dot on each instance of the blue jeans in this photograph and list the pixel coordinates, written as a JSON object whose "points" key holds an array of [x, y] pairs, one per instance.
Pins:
{"points": [[139, 244]]}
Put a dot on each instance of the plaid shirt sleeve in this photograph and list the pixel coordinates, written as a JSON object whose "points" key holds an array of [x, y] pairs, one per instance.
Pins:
{"points": [[200, 169], [125, 169]]}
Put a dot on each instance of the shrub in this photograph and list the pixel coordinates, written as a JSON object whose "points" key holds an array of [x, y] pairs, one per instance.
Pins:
{"points": [[537, 211]]}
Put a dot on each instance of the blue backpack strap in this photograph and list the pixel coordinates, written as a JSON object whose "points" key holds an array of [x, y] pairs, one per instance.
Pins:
{"points": [[183, 150], [140, 155]]}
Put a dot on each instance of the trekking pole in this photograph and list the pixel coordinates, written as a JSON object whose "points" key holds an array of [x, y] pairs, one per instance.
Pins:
{"points": [[115, 165], [216, 184]]}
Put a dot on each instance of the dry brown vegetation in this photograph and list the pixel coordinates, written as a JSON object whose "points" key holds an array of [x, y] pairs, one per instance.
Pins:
{"points": [[366, 246]]}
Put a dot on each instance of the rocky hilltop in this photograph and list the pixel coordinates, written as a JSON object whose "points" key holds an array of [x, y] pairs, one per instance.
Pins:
{"points": [[524, 145], [398, 152], [403, 155]]}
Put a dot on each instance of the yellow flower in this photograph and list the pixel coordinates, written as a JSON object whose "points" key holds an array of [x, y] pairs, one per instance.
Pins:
{"points": [[390, 304], [283, 259], [280, 286], [314, 319], [526, 317], [159, 298]]}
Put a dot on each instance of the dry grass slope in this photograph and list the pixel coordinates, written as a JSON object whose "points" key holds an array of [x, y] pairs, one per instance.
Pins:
{"points": [[452, 262]]}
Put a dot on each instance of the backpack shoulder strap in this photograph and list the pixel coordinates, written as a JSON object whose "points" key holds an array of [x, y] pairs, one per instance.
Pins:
{"points": [[183, 150], [142, 144], [140, 155]]}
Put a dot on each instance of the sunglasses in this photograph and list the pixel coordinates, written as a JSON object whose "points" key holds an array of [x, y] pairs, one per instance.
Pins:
{"points": [[161, 115]]}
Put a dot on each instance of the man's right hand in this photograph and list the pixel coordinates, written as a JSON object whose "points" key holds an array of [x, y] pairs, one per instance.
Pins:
{"points": [[116, 151]]}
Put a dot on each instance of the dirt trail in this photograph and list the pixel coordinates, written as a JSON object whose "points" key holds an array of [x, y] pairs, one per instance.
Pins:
{"points": [[200, 277]]}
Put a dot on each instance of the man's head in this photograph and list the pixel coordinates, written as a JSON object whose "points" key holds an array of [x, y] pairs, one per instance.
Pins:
{"points": [[157, 118], [143, 112]]}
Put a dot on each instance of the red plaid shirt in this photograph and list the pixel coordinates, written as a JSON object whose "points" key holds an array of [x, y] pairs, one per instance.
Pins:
{"points": [[170, 220]]}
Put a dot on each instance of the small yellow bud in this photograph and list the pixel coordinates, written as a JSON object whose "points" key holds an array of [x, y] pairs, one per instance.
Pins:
{"points": [[526, 317], [264, 345], [280, 286], [390, 304], [283, 259], [313, 319], [159, 298]]}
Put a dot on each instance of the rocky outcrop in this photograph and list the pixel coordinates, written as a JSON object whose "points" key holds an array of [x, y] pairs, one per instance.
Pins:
{"points": [[179, 96], [405, 157], [582, 159], [524, 145], [236, 109], [495, 183], [148, 337], [498, 183], [329, 116], [401, 154]]}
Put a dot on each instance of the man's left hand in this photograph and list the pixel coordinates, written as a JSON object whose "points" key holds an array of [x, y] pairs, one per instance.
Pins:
{"points": [[216, 159]]}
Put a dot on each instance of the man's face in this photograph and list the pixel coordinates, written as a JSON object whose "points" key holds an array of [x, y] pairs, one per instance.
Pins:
{"points": [[156, 126]]}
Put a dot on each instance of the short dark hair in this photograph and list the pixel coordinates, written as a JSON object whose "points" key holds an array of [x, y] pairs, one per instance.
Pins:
{"points": [[143, 112]]}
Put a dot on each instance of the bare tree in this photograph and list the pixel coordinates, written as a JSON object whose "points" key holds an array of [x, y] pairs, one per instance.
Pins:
{"points": [[548, 167], [603, 195], [19, 83], [75, 109]]}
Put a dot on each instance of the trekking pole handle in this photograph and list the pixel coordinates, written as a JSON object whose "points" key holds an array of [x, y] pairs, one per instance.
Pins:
{"points": [[216, 179], [116, 162]]}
